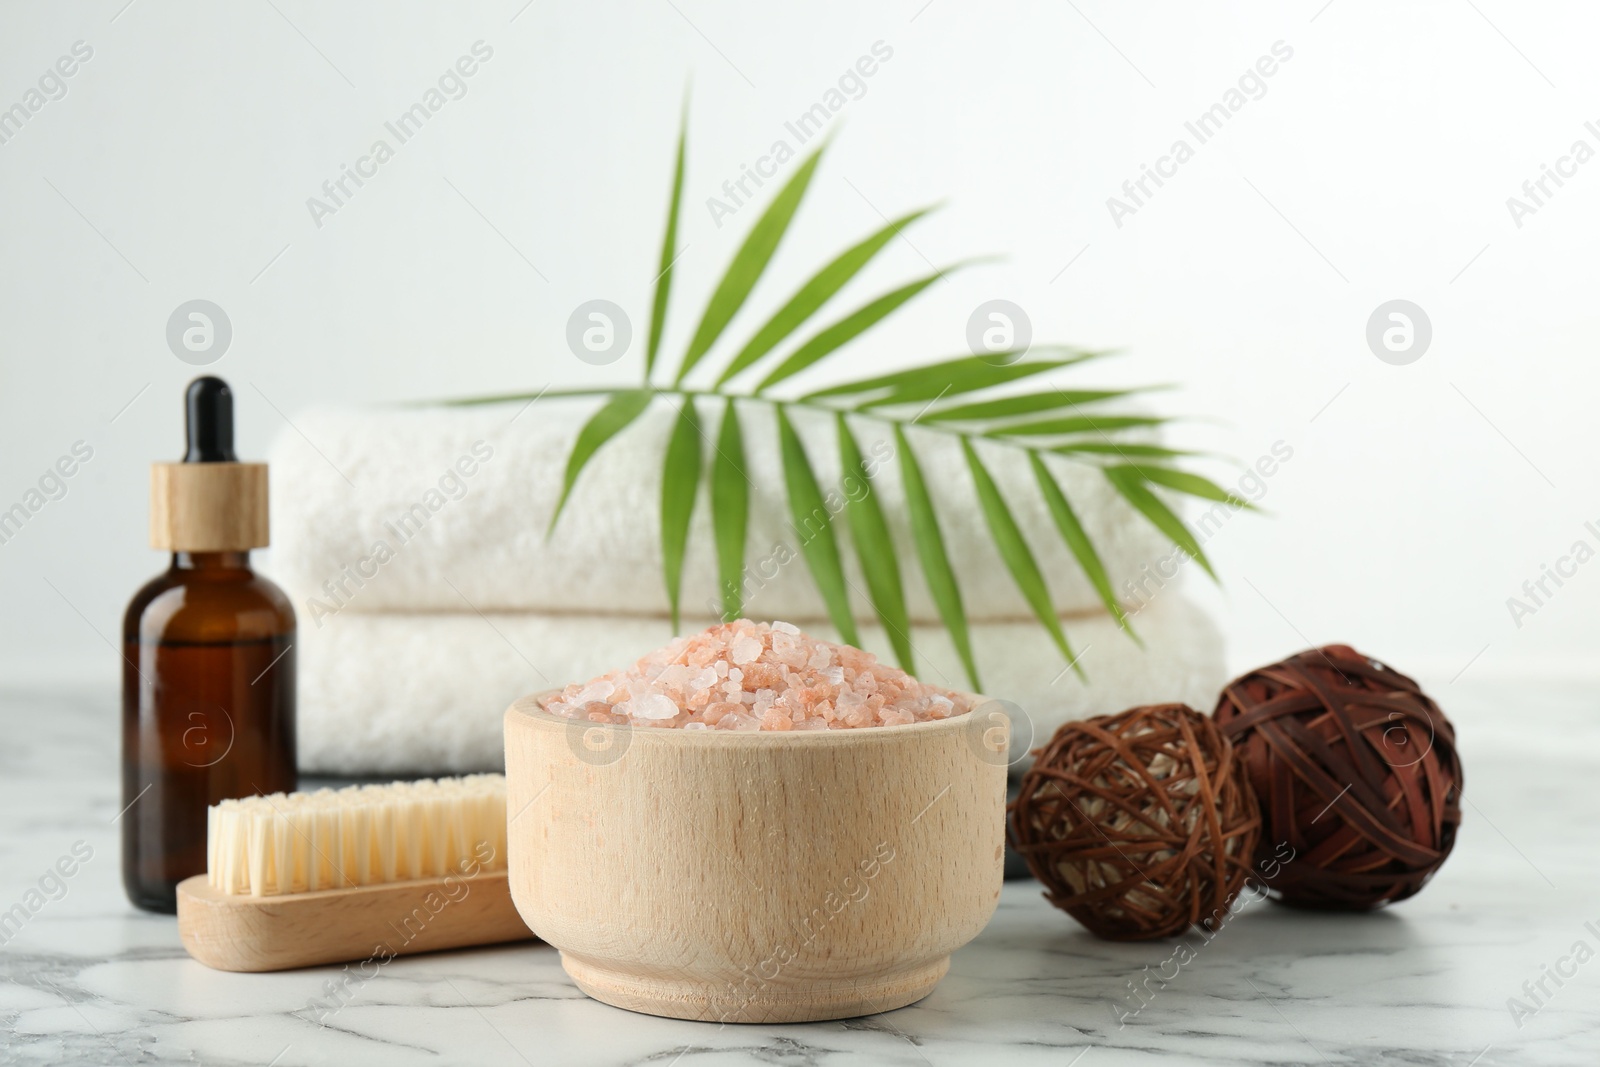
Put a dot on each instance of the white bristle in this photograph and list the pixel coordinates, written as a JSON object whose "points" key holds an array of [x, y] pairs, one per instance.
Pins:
{"points": [[360, 835]]}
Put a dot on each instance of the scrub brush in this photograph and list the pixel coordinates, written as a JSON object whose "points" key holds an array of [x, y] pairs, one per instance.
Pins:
{"points": [[366, 872]]}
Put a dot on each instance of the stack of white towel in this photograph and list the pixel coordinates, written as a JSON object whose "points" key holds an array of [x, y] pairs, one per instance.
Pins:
{"points": [[413, 543]]}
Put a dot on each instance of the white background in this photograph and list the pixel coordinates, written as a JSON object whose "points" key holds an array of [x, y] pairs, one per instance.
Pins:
{"points": [[1377, 166]]}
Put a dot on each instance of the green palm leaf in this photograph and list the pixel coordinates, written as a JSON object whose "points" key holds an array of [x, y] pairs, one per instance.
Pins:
{"points": [[1191, 484], [1015, 552], [748, 263], [813, 525], [950, 377], [1077, 540], [612, 418], [945, 396], [669, 252], [870, 532], [1007, 407], [1135, 492], [1121, 448], [680, 483], [814, 293], [935, 560], [831, 338], [730, 510], [1070, 424]]}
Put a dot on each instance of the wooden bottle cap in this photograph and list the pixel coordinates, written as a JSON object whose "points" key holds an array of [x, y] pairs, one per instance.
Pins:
{"points": [[208, 507]]}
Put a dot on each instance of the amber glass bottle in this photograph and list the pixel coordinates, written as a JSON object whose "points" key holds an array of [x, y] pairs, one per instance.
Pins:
{"points": [[208, 693]]}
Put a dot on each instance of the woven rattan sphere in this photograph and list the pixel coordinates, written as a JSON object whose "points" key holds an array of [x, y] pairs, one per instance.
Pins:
{"points": [[1355, 768], [1140, 824]]}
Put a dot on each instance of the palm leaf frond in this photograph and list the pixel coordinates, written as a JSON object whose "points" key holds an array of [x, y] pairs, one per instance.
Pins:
{"points": [[680, 484], [1007, 407], [936, 569], [1136, 492], [1016, 554], [813, 294], [813, 525], [730, 510], [870, 532], [612, 418], [947, 378], [1077, 540], [967, 398], [1126, 449], [669, 253], [832, 338], [1071, 424], [1189, 484], [749, 263]]}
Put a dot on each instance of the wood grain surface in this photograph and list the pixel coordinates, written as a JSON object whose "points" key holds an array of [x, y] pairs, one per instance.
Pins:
{"points": [[755, 877]]}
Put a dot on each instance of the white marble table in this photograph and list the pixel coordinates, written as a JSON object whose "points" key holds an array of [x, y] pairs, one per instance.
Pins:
{"points": [[90, 980]]}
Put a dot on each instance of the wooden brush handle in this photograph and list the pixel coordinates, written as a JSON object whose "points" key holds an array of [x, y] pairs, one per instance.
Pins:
{"points": [[246, 933]]}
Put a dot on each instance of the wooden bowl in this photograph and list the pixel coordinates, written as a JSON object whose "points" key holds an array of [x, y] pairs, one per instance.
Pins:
{"points": [[755, 877]]}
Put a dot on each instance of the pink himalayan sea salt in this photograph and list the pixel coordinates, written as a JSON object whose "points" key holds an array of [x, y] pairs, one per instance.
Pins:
{"points": [[747, 675]]}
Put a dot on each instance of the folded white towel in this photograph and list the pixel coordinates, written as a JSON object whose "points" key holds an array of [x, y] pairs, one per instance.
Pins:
{"points": [[446, 510], [397, 693]]}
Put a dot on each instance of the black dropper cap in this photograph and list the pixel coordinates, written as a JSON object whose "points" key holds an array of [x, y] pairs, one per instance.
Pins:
{"points": [[209, 404]]}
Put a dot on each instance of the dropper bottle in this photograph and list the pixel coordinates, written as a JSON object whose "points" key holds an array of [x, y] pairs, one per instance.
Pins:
{"points": [[208, 673]]}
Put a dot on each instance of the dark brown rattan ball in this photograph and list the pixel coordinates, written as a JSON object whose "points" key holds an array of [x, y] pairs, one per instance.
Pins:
{"points": [[1355, 768], [1139, 824]]}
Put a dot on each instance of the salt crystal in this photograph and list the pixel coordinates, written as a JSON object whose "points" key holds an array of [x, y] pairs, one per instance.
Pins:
{"points": [[651, 706], [715, 712], [598, 689], [785, 681]]}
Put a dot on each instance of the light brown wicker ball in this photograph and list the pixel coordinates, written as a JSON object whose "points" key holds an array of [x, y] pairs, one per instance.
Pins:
{"points": [[1139, 824]]}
